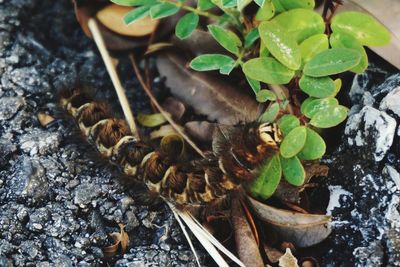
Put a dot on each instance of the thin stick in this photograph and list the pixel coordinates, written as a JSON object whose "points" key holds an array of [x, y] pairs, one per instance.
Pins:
{"points": [[162, 111], [98, 38]]}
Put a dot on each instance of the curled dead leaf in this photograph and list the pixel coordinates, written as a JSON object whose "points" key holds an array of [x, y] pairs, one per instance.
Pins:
{"points": [[173, 145], [112, 16], [246, 244], [120, 239], [44, 119], [207, 94], [303, 230]]}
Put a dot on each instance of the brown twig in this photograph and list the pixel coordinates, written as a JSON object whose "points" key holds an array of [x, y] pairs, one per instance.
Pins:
{"points": [[160, 109]]}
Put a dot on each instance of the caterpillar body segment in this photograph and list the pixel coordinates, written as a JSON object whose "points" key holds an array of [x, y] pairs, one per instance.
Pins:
{"points": [[237, 153]]}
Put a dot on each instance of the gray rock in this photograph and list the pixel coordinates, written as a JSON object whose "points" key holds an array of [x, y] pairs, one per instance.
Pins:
{"points": [[9, 106], [372, 131], [40, 142], [37, 220], [391, 102], [369, 256], [85, 193], [30, 80], [7, 148]]}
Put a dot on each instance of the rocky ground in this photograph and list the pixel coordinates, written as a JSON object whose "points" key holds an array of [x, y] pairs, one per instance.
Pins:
{"points": [[57, 205]]}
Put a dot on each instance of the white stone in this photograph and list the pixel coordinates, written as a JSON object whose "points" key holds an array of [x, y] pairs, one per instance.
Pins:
{"points": [[392, 101], [394, 174], [371, 124]]}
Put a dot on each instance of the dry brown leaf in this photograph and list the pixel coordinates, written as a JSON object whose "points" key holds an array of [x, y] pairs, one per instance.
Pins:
{"points": [[124, 237], [174, 107], [303, 230], [246, 245], [152, 48], [112, 16], [45, 119], [120, 239], [207, 94], [288, 260], [200, 130], [272, 253]]}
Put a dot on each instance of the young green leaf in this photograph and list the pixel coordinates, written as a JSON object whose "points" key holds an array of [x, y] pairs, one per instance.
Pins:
{"points": [[251, 37], [254, 84], [366, 29], [225, 38], [338, 86], [332, 61], [265, 95], [163, 10], [294, 142], [134, 2], [280, 44], [317, 87], [314, 147], [347, 41], [263, 51], [151, 120], [292, 4], [313, 45], [208, 62], [314, 106], [267, 70], [301, 23], [136, 14], [329, 117], [293, 170], [270, 114], [204, 4], [266, 12], [287, 123], [268, 179], [227, 68], [305, 103], [278, 6], [186, 25]]}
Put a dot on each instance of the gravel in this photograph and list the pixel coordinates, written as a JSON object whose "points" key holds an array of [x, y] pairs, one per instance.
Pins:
{"points": [[57, 204]]}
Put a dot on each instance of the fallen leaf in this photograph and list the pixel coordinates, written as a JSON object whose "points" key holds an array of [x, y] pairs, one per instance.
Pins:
{"points": [[112, 16], [164, 130], [174, 107], [272, 253], [152, 48], [45, 119], [151, 120], [173, 145], [288, 260], [207, 94], [246, 245], [84, 10], [303, 230], [200, 130], [120, 239], [124, 238]]}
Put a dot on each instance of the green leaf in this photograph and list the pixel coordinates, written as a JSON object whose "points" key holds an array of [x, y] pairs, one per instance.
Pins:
{"points": [[314, 147], [313, 45], [134, 2], [251, 37], [186, 25], [136, 14], [294, 142], [366, 29], [293, 170], [267, 70], [270, 114], [347, 41], [329, 117], [163, 10], [314, 106], [332, 61], [209, 62], [260, 3], [242, 4], [151, 120], [205, 4], [301, 23], [317, 87], [254, 84], [268, 179], [266, 12], [263, 50], [229, 3], [280, 44], [305, 103], [292, 4], [225, 38], [227, 68], [278, 6], [287, 123], [338, 86], [265, 95]]}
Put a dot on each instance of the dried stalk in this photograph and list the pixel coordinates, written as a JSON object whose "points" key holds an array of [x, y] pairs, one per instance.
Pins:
{"points": [[98, 38], [160, 109]]}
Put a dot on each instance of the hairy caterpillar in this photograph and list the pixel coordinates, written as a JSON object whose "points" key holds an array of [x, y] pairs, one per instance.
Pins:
{"points": [[237, 152]]}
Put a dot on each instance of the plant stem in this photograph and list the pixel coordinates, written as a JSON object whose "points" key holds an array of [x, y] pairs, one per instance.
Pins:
{"points": [[191, 9]]}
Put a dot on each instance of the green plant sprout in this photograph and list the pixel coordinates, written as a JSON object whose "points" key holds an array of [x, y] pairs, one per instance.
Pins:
{"points": [[287, 43]]}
